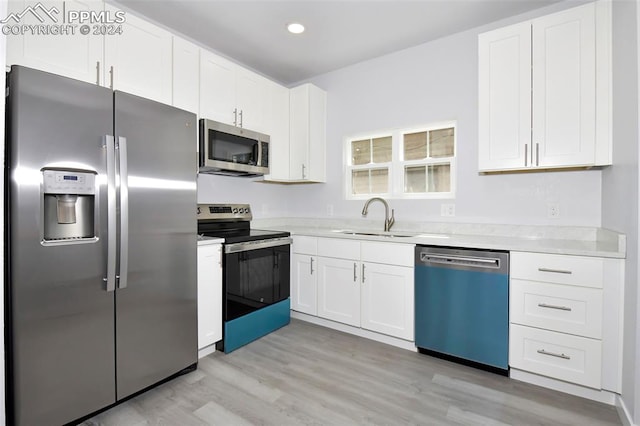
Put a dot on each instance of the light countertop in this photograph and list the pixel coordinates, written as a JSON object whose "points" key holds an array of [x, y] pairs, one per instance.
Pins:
{"points": [[205, 241], [579, 241]]}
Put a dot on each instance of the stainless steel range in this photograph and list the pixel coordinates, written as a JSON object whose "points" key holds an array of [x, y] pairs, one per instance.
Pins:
{"points": [[255, 273]]}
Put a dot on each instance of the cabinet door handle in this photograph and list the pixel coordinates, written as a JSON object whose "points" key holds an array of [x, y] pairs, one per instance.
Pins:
{"points": [[363, 273], [303, 169], [555, 271], [311, 266], [235, 116], [355, 271], [98, 73], [560, 308], [563, 356], [241, 111], [111, 77], [537, 154], [526, 155]]}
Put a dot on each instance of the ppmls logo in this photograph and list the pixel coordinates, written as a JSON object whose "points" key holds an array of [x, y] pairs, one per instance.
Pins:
{"points": [[33, 10], [70, 22]]}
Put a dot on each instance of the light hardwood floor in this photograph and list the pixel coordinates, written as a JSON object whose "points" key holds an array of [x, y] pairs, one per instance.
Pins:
{"points": [[304, 374]]}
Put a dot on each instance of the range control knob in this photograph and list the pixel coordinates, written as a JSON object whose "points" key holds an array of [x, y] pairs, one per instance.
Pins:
{"points": [[235, 210], [198, 210], [246, 210]]}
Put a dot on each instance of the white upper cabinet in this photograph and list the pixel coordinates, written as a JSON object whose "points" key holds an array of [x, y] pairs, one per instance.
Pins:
{"points": [[133, 56], [307, 137], [252, 98], [138, 61], [186, 75], [217, 88], [278, 130], [307, 144], [231, 94], [564, 92], [544, 92], [505, 97], [75, 55]]}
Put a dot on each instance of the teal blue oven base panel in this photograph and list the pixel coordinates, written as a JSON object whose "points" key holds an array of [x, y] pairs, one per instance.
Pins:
{"points": [[250, 327]]}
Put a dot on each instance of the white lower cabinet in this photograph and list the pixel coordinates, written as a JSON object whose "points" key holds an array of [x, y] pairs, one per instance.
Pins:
{"points": [[339, 290], [565, 319], [304, 283], [209, 294], [561, 356], [387, 299], [343, 280]]}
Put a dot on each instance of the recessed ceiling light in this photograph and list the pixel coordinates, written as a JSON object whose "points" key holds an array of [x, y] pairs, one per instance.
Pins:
{"points": [[295, 28]]}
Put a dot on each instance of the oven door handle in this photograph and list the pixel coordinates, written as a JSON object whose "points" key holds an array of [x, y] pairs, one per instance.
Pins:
{"points": [[256, 245]]}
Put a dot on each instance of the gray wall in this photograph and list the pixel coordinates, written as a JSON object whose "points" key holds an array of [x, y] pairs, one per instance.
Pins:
{"points": [[428, 83], [620, 182]]}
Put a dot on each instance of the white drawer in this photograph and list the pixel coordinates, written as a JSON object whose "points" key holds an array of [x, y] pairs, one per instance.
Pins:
{"points": [[305, 245], [555, 268], [388, 253], [556, 355], [557, 307], [339, 248]]}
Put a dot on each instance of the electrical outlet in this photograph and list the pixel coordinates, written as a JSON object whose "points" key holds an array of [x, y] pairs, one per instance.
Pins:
{"points": [[448, 210], [329, 209], [553, 210]]}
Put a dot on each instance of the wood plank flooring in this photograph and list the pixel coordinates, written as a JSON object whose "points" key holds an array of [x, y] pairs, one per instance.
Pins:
{"points": [[304, 374]]}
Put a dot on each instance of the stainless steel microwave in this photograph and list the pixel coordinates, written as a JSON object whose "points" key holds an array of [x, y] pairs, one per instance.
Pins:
{"points": [[232, 151]]}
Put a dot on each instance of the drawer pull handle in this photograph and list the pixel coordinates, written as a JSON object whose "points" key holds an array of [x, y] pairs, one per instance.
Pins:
{"points": [[561, 308], [555, 271], [563, 356]]}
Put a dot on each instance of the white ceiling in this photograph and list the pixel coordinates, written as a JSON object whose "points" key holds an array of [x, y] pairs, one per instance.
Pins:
{"points": [[339, 33]]}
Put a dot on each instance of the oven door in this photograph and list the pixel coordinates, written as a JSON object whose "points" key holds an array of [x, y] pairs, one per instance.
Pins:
{"points": [[256, 274]]}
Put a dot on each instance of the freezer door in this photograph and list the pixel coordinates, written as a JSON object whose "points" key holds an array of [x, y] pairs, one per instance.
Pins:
{"points": [[156, 316], [60, 331]]}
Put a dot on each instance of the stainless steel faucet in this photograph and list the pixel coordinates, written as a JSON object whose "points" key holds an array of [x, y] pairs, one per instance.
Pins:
{"points": [[388, 221]]}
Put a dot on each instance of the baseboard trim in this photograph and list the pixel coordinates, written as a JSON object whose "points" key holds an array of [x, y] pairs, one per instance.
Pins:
{"points": [[207, 350], [623, 412], [603, 396], [382, 338]]}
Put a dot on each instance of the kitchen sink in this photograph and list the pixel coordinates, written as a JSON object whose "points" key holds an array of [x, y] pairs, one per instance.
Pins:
{"points": [[389, 234]]}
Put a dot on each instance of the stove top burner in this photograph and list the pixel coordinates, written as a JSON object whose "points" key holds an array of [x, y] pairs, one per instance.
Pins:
{"points": [[231, 222]]}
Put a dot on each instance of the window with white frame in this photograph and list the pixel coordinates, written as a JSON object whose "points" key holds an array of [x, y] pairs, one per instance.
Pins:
{"points": [[415, 163]]}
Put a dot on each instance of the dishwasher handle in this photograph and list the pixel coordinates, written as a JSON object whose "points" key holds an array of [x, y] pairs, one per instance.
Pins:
{"points": [[489, 262]]}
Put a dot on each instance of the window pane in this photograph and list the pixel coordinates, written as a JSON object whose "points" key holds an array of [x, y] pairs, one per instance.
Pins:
{"points": [[415, 179], [439, 177], [379, 181], [382, 149], [360, 182], [415, 146], [441, 143], [361, 152]]}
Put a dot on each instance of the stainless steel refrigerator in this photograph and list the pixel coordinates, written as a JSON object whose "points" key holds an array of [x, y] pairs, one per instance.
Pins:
{"points": [[101, 240]]}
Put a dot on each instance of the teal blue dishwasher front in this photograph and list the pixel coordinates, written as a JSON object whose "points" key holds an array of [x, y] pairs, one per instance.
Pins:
{"points": [[462, 305]]}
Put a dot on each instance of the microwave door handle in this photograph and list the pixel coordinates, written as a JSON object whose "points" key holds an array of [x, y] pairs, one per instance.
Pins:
{"points": [[124, 213]]}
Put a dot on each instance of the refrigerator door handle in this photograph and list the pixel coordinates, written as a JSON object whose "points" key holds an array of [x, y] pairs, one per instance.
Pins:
{"points": [[124, 212], [109, 145]]}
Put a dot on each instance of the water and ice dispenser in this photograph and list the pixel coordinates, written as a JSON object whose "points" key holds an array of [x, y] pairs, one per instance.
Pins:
{"points": [[69, 204]]}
